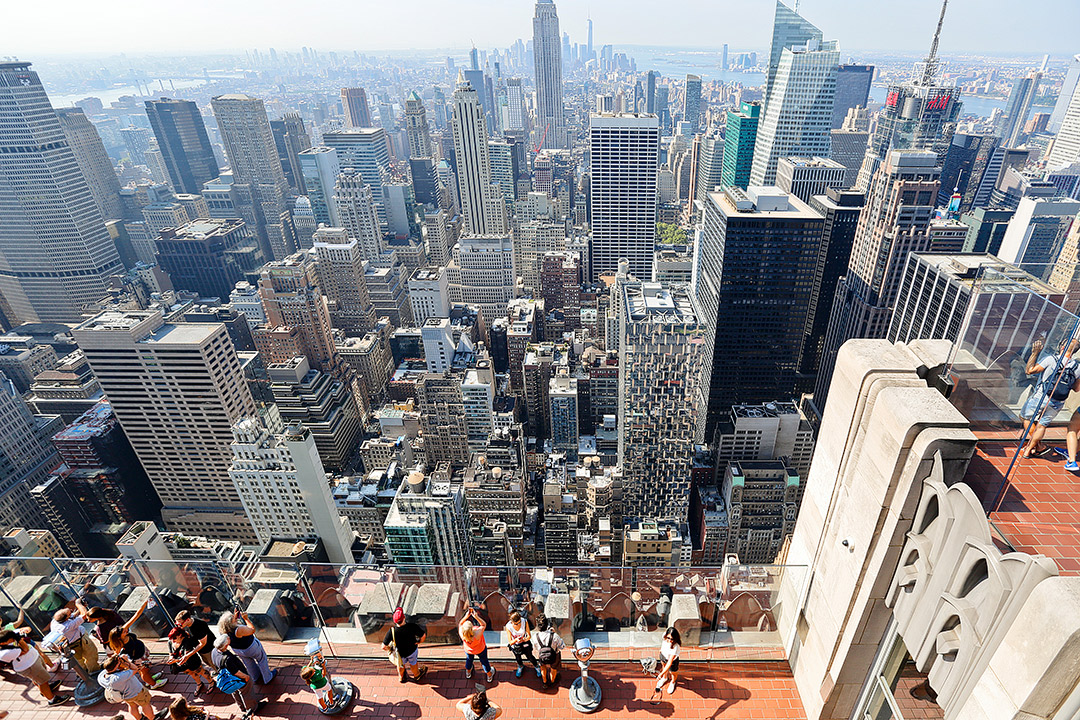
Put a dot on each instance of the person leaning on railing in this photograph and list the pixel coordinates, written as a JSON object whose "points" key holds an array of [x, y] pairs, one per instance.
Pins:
{"points": [[1050, 394]]}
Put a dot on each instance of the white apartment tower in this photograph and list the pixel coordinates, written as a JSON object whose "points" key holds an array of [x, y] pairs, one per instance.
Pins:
{"points": [[257, 174], [55, 253], [357, 213], [284, 489], [547, 53], [481, 272], [177, 390], [625, 155], [798, 113], [482, 204], [661, 395]]}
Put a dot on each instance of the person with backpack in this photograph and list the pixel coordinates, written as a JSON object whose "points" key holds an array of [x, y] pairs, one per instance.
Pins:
{"points": [[1049, 396], [242, 640], [519, 642], [121, 684], [471, 628], [549, 650], [231, 677], [27, 661]]}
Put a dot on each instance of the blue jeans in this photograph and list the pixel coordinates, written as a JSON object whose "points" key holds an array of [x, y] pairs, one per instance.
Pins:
{"points": [[255, 661], [483, 660]]}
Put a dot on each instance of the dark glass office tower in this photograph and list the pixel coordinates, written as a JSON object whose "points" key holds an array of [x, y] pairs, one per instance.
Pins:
{"points": [[183, 142]]}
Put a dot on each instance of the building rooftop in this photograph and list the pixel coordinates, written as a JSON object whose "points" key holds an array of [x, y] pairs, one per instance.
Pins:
{"points": [[657, 303]]}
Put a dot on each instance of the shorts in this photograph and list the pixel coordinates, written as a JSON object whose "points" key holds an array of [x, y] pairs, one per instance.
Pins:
{"points": [[143, 698], [1050, 408], [37, 673], [412, 659]]}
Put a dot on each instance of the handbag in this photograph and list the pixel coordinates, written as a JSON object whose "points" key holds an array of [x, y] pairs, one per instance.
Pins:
{"points": [[394, 656]]}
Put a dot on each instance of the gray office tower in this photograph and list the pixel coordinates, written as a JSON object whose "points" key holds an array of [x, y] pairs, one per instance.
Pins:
{"points": [[547, 55], [55, 254], [1011, 125], [184, 144], [759, 248], [919, 114], [852, 90], [93, 160], [691, 108]]}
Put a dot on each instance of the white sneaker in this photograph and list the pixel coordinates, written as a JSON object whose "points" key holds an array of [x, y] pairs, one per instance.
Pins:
{"points": [[671, 687]]}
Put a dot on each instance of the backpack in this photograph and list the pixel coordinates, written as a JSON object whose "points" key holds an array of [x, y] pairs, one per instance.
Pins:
{"points": [[1060, 384], [112, 695], [227, 682], [547, 653]]}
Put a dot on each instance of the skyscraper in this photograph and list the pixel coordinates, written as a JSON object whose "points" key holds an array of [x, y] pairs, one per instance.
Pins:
{"points": [[283, 486], [547, 56], [798, 113], [894, 222], [756, 261], [292, 300], [55, 253], [739, 141], [176, 390], [365, 151], [341, 277], [691, 109], [662, 343], [482, 204], [208, 256], [97, 168], [966, 162], [319, 169], [624, 163], [804, 177], [852, 90], [1068, 88], [789, 30], [291, 138], [1021, 97], [1066, 148], [355, 106], [650, 92], [257, 174], [416, 127], [27, 458], [919, 114], [357, 214]]}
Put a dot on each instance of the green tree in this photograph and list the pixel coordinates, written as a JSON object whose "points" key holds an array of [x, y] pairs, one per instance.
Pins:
{"points": [[670, 234]]}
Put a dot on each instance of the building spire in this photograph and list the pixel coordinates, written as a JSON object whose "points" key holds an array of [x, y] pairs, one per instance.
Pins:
{"points": [[931, 66]]}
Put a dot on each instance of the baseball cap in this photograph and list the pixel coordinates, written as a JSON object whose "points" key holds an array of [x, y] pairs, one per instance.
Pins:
{"points": [[399, 615]]}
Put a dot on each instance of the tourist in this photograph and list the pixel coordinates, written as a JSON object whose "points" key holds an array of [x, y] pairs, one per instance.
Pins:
{"points": [[122, 684], [243, 642], [26, 661], [405, 638], [103, 620], [184, 658], [199, 631], [247, 697], [180, 710], [82, 646], [549, 650], [670, 647], [519, 641], [122, 642], [477, 707], [471, 628], [1049, 396], [319, 684], [19, 625]]}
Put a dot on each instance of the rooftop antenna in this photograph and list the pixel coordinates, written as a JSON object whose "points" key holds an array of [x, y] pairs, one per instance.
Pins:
{"points": [[796, 8], [931, 67]]}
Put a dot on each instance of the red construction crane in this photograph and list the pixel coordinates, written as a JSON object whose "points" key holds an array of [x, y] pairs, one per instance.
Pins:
{"points": [[542, 139]]}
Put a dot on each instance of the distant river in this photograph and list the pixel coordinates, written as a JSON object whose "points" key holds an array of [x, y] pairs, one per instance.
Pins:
{"points": [[110, 95]]}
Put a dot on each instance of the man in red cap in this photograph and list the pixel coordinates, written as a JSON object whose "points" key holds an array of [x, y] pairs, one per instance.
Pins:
{"points": [[406, 637]]}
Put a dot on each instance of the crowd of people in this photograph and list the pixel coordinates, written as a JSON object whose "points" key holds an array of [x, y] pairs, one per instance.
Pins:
{"points": [[230, 659]]}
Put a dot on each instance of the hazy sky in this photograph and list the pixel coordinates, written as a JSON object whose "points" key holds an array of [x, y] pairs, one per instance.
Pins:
{"points": [[180, 26]]}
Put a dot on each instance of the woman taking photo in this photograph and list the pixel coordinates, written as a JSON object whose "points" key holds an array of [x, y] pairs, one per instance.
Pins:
{"points": [[471, 628], [670, 647], [519, 641], [243, 642]]}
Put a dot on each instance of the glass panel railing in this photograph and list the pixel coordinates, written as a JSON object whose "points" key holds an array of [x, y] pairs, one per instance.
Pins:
{"points": [[726, 612], [1013, 323]]}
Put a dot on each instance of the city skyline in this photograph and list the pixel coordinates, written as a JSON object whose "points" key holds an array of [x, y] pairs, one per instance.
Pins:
{"points": [[990, 26]]}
